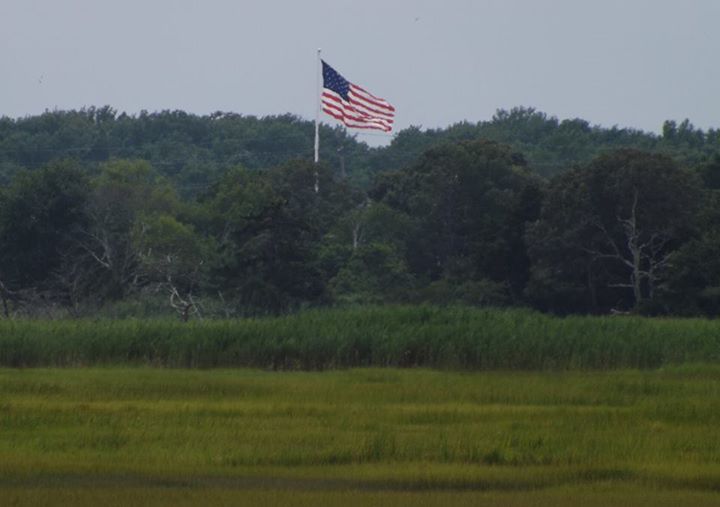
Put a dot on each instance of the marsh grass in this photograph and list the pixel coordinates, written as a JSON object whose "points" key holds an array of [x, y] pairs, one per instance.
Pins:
{"points": [[153, 436], [449, 338], [123, 496]]}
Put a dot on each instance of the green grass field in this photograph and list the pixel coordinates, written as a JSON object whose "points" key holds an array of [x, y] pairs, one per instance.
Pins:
{"points": [[175, 437]]}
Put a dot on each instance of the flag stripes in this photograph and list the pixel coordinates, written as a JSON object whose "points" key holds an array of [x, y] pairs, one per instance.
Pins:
{"points": [[352, 105]]}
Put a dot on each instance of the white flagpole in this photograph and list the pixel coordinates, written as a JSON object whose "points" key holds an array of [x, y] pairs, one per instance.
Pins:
{"points": [[317, 108], [317, 120]]}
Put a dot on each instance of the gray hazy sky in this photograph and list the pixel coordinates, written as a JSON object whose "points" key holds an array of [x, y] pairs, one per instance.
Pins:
{"points": [[632, 63]]}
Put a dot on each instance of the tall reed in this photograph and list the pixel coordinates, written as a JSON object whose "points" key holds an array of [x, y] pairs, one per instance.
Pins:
{"points": [[405, 336]]}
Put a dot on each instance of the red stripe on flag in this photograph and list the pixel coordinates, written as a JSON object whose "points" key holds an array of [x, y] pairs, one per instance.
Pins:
{"points": [[345, 117], [342, 119], [332, 101], [387, 116], [369, 97], [351, 120]]}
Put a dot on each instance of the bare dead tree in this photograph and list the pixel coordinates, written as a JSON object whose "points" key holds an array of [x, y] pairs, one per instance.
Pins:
{"points": [[108, 242], [357, 234], [644, 254], [118, 258], [31, 301], [177, 278], [225, 307], [74, 279], [27, 299], [184, 307], [6, 295], [358, 223]]}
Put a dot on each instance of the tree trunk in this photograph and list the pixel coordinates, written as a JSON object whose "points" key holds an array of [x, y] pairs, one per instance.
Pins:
{"points": [[6, 310], [4, 296]]}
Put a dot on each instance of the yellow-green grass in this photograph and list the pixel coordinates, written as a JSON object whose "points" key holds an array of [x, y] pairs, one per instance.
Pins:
{"points": [[142, 436]]}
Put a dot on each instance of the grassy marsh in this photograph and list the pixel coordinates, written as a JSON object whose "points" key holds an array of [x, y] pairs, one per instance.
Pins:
{"points": [[155, 436]]}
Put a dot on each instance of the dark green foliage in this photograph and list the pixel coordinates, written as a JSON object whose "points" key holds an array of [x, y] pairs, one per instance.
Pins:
{"points": [[373, 273], [710, 173], [222, 209], [42, 214], [693, 284], [468, 203], [549, 145], [193, 151], [364, 254], [607, 232], [270, 225], [480, 292], [126, 196]]}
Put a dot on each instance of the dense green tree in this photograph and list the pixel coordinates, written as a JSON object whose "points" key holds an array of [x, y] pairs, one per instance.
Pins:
{"points": [[173, 259], [41, 216], [270, 225], [125, 196], [709, 171], [364, 254], [374, 273], [607, 232], [693, 280], [194, 151], [155, 202], [563, 278], [468, 202]]}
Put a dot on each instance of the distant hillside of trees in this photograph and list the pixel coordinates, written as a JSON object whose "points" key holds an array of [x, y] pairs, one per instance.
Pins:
{"points": [[552, 146], [219, 215], [194, 151]]}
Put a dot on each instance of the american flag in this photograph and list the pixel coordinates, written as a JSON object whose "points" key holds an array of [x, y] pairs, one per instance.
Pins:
{"points": [[353, 105]]}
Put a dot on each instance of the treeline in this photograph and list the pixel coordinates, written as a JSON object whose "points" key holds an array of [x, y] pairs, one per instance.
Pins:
{"points": [[194, 151], [141, 215]]}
